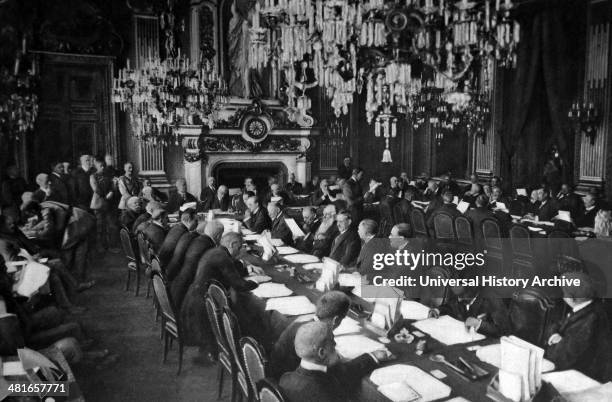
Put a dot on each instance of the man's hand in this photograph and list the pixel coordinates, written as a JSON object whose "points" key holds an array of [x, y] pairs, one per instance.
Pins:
{"points": [[472, 322], [109, 195], [383, 355], [256, 270], [554, 338], [24, 253], [434, 313]]}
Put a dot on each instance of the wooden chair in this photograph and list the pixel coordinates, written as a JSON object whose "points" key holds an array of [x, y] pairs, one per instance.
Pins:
{"points": [[144, 250], [224, 357], [156, 269], [522, 251], [443, 227], [218, 293], [493, 244], [170, 324], [419, 225], [231, 329], [133, 265], [530, 312], [255, 362], [464, 232], [435, 296], [560, 243], [268, 392]]}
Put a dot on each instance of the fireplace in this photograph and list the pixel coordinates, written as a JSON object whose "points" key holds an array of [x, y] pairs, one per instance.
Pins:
{"points": [[232, 174]]}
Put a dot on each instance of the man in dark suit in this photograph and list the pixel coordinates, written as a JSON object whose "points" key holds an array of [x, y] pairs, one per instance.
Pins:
{"points": [[353, 195], [479, 214], [567, 200], [346, 246], [293, 187], [82, 190], [586, 217], [279, 229], [275, 195], [174, 265], [548, 208], [325, 233], [255, 217], [222, 199], [156, 231], [209, 235], [346, 169], [179, 197], [59, 184], [188, 223], [320, 377], [131, 213], [208, 194], [310, 225], [323, 196], [220, 264], [43, 193], [401, 210], [448, 184], [367, 230], [448, 207], [582, 340]]}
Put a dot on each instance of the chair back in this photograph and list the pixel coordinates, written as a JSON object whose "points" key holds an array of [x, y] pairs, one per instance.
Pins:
{"points": [[464, 231], [435, 296], [564, 264], [520, 240], [163, 298], [218, 293], [143, 249], [491, 233], [386, 218], [156, 267], [443, 226], [268, 392], [231, 330], [560, 243], [254, 360], [419, 227], [214, 315], [530, 310], [126, 244]]}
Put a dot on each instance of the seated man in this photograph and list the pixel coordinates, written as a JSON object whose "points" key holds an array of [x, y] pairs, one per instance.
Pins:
{"points": [[582, 340], [479, 214], [43, 193], [403, 208], [131, 213], [367, 230], [448, 207], [276, 195], [279, 229], [486, 315], [548, 208], [156, 231], [346, 246], [586, 217], [239, 201], [144, 219], [325, 233], [293, 187], [208, 194], [319, 376], [255, 217], [568, 200], [188, 223], [310, 225], [179, 197], [221, 200], [323, 196]]}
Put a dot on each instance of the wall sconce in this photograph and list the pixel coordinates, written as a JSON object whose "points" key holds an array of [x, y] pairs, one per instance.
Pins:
{"points": [[585, 118]]}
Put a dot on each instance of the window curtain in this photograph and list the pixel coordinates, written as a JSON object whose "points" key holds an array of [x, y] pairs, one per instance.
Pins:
{"points": [[538, 93]]}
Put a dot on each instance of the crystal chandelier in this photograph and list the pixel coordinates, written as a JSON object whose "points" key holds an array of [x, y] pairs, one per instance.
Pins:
{"points": [[384, 45], [162, 95]]}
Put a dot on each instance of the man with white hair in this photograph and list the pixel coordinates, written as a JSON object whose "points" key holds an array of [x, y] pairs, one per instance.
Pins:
{"points": [[310, 225], [59, 183], [156, 231], [82, 190], [131, 213], [256, 218], [188, 223], [207, 196], [325, 234], [279, 229], [276, 195], [145, 219], [179, 197], [222, 199], [292, 186], [43, 193]]}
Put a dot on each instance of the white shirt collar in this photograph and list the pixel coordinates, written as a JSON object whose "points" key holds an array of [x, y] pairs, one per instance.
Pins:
{"points": [[305, 364], [590, 208], [367, 239], [582, 305]]}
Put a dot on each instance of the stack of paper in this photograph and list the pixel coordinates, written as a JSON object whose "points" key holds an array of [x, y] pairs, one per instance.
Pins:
{"points": [[414, 379], [329, 275], [521, 362], [386, 310], [351, 346], [188, 205], [284, 250], [595, 394], [570, 381], [33, 276], [251, 237], [301, 258], [296, 231], [492, 354], [313, 265], [448, 330], [412, 310], [271, 289], [291, 305], [521, 191], [500, 206], [350, 280], [348, 326], [463, 206]]}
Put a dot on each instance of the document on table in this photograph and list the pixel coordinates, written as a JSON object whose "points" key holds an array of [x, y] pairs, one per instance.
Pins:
{"points": [[595, 394], [353, 280], [521, 191], [284, 250], [13, 369], [251, 237], [33, 276], [277, 242], [425, 385], [301, 258], [291, 305], [348, 326], [413, 310], [569, 381], [271, 289], [463, 206], [351, 346], [296, 231], [448, 330], [492, 354], [500, 206], [313, 265], [188, 205], [524, 360]]}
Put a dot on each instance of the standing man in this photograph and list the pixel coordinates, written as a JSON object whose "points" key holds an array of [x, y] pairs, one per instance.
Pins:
{"points": [[82, 189], [353, 195], [346, 169], [207, 196], [59, 185], [293, 187]]}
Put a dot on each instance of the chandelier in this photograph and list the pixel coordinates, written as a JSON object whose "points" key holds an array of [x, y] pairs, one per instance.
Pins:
{"points": [[397, 50], [162, 95]]}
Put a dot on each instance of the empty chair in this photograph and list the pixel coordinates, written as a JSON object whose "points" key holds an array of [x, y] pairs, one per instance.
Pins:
{"points": [[171, 329], [386, 219], [231, 329], [419, 226], [224, 356], [464, 232], [443, 227], [133, 265], [435, 296], [530, 313], [254, 359], [268, 392], [522, 251], [493, 244]]}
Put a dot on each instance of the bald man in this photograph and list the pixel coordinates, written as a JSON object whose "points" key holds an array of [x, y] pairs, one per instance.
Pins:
{"points": [[179, 197], [43, 193], [222, 199], [82, 190], [279, 229], [131, 213], [188, 223]]}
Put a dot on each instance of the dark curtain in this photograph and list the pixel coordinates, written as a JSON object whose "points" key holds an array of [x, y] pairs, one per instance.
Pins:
{"points": [[539, 92]]}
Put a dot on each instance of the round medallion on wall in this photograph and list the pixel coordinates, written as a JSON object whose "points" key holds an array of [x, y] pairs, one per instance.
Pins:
{"points": [[255, 129]]}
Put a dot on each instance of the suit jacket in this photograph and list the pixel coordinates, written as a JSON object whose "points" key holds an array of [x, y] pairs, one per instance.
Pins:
{"points": [[223, 204], [450, 209], [305, 243], [477, 215], [345, 248], [570, 202], [40, 196], [294, 188], [345, 172], [169, 244], [401, 211], [184, 278], [585, 344], [259, 221], [548, 210], [365, 260], [280, 230], [587, 218], [175, 264], [207, 197], [139, 222], [217, 264], [127, 218], [319, 199], [496, 321], [321, 247], [82, 190], [176, 200], [59, 188], [155, 234], [354, 197]]}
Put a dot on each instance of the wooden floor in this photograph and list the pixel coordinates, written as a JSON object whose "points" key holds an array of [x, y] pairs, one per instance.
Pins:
{"points": [[125, 325]]}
